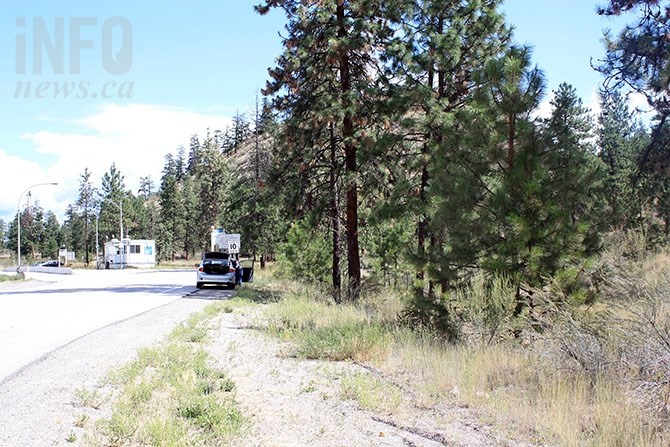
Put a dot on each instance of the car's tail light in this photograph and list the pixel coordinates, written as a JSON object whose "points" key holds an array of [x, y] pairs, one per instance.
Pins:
{"points": [[231, 270], [201, 269]]}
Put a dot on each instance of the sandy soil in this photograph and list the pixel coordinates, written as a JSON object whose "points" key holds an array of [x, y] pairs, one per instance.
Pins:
{"points": [[288, 401], [294, 402]]}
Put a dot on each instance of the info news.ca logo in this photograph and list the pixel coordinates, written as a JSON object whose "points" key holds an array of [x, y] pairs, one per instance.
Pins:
{"points": [[49, 53]]}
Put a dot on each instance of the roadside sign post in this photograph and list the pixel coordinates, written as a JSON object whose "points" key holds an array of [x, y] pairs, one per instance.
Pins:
{"points": [[225, 242], [62, 253]]}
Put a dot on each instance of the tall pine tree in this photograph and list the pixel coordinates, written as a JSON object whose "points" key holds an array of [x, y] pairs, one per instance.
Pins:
{"points": [[322, 82], [87, 208]]}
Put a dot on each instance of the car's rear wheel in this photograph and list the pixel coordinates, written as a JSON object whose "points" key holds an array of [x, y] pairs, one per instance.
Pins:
{"points": [[199, 285]]}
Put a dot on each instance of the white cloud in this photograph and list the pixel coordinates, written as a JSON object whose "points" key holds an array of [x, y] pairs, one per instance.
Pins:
{"points": [[136, 137], [638, 101], [593, 103], [543, 110], [17, 174]]}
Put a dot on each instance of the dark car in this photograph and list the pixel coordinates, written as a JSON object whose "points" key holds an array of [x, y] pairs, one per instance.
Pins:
{"points": [[50, 263]]}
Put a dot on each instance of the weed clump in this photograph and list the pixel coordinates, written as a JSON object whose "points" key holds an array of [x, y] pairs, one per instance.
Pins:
{"points": [[171, 395]]}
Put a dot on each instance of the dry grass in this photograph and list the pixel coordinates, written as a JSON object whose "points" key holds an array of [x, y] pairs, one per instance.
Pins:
{"points": [[169, 396], [10, 277], [519, 388], [516, 390], [322, 329]]}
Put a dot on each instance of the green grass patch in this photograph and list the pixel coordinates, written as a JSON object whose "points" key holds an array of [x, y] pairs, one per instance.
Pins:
{"points": [[352, 341], [88, 398], [10, 278], [171, 395], [371, 393], [323, 330]]}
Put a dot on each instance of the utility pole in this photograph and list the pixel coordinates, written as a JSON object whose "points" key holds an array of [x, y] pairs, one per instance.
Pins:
{"points": [[97, 245]]}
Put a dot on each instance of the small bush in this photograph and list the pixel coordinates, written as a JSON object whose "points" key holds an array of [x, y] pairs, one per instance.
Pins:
{"points": [[356, 341], [325, 330], [481, 311], [489, 306]]}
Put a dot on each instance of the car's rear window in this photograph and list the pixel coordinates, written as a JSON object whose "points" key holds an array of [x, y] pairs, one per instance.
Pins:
{"points": [[215, 255], [223, 262]]}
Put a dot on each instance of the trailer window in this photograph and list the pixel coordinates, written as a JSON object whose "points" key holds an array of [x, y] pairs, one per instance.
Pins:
{"points": [[134, 249]]}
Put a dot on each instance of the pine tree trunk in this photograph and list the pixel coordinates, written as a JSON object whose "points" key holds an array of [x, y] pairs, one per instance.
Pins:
{"points": [[86, 237], [510, 140], [351, 168], [423, 218], [421, 226], [335, 216]]}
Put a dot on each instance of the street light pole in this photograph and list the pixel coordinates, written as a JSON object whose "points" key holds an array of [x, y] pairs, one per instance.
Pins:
{"points": [[18, 221], [97, 245]]}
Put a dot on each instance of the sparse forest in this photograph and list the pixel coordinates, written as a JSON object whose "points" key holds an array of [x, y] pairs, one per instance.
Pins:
{"points": [[398, 146]]}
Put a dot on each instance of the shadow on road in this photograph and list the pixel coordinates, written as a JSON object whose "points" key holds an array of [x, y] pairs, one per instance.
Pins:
{"points": [[206, 293], [212, 293], [136, 288]]}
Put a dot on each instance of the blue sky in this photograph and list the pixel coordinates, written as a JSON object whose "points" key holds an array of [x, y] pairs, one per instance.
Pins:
{"points": [[193, 66]]}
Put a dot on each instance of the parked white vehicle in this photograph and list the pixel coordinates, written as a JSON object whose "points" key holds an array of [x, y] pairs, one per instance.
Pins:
{"points": [[216, 268]]}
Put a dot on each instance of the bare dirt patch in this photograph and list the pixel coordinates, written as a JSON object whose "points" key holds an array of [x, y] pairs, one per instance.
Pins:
{"points": [[296, 402]]}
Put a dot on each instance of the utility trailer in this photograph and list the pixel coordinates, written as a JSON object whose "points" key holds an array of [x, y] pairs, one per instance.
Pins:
{"points": [[137, 253], [224, 242]]}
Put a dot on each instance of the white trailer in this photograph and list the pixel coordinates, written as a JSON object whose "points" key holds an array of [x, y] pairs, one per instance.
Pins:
{"points": [[224, 242], [138, 253]]}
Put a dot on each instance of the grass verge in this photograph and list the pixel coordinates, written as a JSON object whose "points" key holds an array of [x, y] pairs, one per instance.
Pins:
{"points": [[171, 395], [10, 277], [514, 387], [322, 330]]}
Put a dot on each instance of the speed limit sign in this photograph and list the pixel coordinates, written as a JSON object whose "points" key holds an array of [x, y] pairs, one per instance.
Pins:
{"points": [[233, 247]]}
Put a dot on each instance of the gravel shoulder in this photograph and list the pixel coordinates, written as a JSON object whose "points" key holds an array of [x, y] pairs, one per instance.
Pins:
{"points": [[38, 405], [296, 402], [288, 401]]}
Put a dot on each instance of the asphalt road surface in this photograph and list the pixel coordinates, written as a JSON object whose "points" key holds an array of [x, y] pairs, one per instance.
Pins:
{"points": [[42, 315], [62, 333]]}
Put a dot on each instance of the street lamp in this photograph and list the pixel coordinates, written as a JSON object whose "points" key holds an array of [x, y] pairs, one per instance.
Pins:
{"points": [[18, 221]]}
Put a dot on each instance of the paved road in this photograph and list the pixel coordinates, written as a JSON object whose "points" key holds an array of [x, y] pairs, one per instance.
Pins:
{"points": [[51, 311]]}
